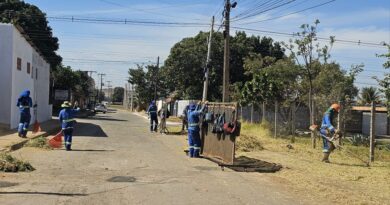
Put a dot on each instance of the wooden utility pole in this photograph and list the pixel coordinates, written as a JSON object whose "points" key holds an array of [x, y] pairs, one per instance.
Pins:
{"points": [[206, 81], [131, 98], [339, 123], [156, 78], [276, 119], [226, 57], [372, 132]]}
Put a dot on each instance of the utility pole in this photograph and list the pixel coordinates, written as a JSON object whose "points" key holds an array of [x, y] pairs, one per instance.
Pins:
{"points": [[131, 98], [372, 132], [156, 78], [109, 89], [101, 83], [226, 57], [206, 81]]}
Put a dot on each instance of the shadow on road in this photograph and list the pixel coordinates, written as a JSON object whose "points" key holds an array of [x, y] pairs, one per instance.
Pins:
{"points": [[43, 193], [90, 150], [88, 130], [106, 118]]}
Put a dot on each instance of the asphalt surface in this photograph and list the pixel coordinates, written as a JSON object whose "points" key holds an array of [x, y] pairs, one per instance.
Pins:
{"points": [[115, 160]]}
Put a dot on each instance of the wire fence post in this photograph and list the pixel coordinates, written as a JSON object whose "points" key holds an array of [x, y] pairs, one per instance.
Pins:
{"points": [[276, 119], [372, 132]]}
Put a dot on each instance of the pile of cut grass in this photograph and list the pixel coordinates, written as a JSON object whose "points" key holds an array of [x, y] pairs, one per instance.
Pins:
{"points": [[10, 164], [39, 142]]}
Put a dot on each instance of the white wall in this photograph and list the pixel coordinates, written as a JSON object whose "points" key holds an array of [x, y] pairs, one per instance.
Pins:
{"points": [[6, 73], [41, 87], [380, 123]]}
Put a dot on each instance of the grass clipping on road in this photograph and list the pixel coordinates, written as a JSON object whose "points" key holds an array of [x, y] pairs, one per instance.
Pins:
{"points": [[346, 180], [10, 164], [39, 142]]}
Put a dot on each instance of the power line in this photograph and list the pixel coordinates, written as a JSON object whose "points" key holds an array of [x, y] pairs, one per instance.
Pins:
{"points": [[278, 17]]}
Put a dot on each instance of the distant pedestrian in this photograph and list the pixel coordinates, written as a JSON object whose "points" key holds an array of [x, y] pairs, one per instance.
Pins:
{"points": [[184, 125], [152, 113], [194, 141], [67, 122], [24, 104]]}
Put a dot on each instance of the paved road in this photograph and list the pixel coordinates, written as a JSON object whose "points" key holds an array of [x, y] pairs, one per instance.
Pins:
{"points": [[117, 147]]}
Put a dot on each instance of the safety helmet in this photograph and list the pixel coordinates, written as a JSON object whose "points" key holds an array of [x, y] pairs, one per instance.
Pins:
{"points": [[66, 104], [336, 107], [192, 106]]}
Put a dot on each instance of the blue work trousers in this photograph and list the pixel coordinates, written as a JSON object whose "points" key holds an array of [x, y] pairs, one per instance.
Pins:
{"points": [[194, 143], [24, 123], [153, 123], [327, 145], [68, 134]]}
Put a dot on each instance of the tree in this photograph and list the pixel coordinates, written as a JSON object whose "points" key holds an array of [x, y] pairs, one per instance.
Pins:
{"points": [[369, 95], [183, 71], [34, 23], [143, 83], [385, 82], [307, 49], [118, 94]]}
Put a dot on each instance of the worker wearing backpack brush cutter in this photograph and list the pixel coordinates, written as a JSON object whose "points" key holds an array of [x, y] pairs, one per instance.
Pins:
{"points": [[194, 141], [327, 131]]}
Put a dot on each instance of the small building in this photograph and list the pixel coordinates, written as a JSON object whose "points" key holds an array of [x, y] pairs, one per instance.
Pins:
{"points": [[359, 119], [22, 68]]}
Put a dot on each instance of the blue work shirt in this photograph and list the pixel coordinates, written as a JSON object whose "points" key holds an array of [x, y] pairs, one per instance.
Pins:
{"points": [[193, 118], [24, 102], [152, 110], [328, 119], [66, 117]]}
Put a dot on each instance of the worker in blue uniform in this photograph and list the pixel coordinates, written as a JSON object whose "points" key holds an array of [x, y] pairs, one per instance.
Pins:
{"points": [[24, 104], [152, 113], [67, 121], [194, 141], [327, 131]]}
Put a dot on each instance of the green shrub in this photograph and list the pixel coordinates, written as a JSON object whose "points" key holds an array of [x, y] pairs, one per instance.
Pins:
{"points": [[360, 140]]}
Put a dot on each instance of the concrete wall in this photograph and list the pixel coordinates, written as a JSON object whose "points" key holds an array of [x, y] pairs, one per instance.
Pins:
{"points": [[6, 60], [41, 76], [13, 45], [380, 123], [21, 80]]}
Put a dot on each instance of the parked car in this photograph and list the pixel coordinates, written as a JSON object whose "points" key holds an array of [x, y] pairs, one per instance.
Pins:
{"points": [[100, 108]]}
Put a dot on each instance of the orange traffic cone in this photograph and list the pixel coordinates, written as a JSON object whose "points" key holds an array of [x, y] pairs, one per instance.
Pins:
{"points": [[56, 141], [37, 127]]}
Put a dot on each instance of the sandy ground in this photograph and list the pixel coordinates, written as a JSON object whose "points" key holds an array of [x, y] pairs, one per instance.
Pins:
{"points": [[117, 161]]}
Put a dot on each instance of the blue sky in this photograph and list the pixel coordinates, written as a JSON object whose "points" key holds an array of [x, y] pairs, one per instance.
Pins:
{"points": [[113, 49]]}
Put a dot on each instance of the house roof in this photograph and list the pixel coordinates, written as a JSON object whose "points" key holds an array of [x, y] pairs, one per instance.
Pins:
{"points": [[368, 108]]}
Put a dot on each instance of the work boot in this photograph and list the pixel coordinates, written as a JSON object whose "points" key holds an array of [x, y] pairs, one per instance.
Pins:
{"points": [[326, 157]]}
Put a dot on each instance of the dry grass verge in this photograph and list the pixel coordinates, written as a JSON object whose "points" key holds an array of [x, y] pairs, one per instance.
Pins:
{"points": [[346, 180]]}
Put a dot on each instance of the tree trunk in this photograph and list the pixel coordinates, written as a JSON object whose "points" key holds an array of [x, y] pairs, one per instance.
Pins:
{"points": [[293, 115], [252, 111], [311, 110], [263, 112]]}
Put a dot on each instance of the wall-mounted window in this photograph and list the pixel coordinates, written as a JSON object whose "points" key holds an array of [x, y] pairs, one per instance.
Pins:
{"points": [[28, 68], [19, 63], [36, 73], [32, 73]]}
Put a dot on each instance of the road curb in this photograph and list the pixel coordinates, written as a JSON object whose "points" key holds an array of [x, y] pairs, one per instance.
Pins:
{"points": [[17, 145]]}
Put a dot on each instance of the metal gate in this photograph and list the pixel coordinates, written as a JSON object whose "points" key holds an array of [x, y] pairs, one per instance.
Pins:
{"points": [[219, 146]]}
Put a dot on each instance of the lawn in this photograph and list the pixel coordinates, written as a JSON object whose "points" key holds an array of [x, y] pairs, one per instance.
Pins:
{"points": [[346, 180]]}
